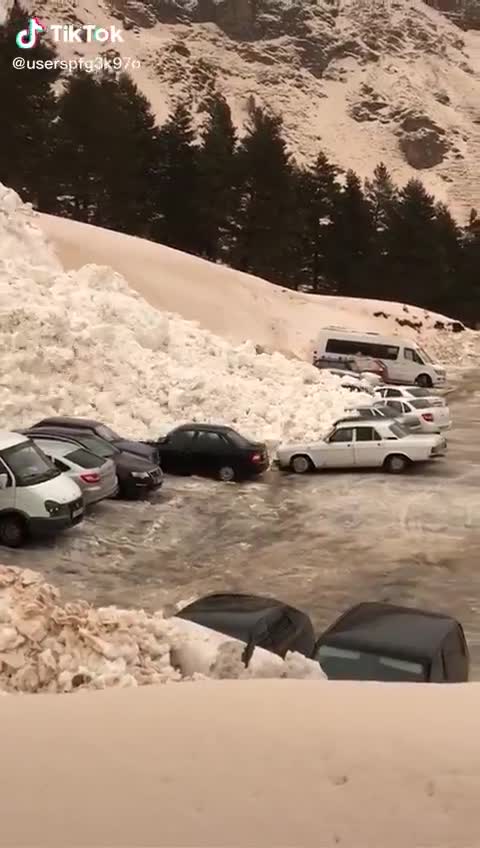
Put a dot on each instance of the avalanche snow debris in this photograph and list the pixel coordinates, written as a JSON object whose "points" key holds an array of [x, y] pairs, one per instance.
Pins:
{"points": [[83, 343], [49, 647]]}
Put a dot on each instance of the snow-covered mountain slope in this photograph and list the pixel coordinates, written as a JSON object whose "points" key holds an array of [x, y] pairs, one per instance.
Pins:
{"points": [[366, 80], [239, 306]]}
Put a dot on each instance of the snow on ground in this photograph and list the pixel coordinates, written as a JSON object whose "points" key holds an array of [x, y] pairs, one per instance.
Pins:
{"points": [[47, 646], [84, 343], [236, 764], [240, 306]]}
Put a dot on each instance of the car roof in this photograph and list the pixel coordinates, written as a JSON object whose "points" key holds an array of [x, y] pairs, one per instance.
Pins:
{"points": [[217, 428], [65, 421], [395, 630], [359, 422], [234, 602], [9, 440]]}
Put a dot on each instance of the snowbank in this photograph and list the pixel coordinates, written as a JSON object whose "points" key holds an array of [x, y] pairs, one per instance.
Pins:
{"points": [[239, 306], [84, 343], [235, 764], [47, 646]]}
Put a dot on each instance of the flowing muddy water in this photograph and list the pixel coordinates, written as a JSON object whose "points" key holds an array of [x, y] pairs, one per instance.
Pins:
{"points": [[321, 542]]}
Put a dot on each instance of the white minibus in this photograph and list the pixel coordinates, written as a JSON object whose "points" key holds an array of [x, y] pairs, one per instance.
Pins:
{"points": [[406, 361]]}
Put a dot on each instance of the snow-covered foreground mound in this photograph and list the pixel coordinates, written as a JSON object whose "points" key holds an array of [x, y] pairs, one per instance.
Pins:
{"points": [[84, 343], [236, 764], [47, 646], [241, 307]]}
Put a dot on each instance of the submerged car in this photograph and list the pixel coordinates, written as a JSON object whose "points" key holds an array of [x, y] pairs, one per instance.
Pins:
{"points": [[362, 444], [136, 475], [104, 432], [379, 641], [257, 621], [211, 450], [373, 413], [409, 393], [96, 477], [356, 364], [432, 417]]}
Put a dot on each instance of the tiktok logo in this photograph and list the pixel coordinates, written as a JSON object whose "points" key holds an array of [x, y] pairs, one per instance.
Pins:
{"points": [[27, 38]]}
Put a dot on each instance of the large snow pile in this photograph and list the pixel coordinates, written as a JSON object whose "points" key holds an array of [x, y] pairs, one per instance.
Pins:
{"points": [[47, 646], [83, 343], [239, 306]]}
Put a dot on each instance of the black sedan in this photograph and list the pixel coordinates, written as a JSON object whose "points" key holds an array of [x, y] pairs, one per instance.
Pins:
{"points": [[96, 428], [211, 450], [136, 475], [259, 622]]}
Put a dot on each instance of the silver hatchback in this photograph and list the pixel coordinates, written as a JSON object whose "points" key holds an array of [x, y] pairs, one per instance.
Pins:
{"points": [[95, 476]]}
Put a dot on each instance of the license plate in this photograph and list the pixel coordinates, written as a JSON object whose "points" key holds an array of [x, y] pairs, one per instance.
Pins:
{"points": [[76, 513]]}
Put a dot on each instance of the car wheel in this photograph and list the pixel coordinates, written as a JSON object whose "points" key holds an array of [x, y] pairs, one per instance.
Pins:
{"points": [[13, 531], [226, 474], [424, 381], [396, 463], [300, 464]]}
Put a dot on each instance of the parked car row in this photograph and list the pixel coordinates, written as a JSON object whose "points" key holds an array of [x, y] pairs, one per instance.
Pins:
{"points": [[370, 641]]}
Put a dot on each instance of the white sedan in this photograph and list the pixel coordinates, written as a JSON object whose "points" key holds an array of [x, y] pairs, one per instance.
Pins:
{"points": [[409, 392], [384, 444], [432, 417]]}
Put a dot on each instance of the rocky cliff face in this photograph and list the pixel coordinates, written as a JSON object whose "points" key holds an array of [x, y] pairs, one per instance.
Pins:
{"points": [[365, 80]]}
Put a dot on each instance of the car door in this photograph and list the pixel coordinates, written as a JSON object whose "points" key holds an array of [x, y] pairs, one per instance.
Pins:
{"points": [[339, 452], [212, 451], [176, 452], [368, 446]]}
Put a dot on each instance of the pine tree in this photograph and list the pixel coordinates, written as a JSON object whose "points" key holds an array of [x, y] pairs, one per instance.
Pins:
{"points": [[382, 195], [416, 264], [466, 304], [217, 191], [354, 242], [28, 109], [175, 191], [106, 166], [81, 148], [265, 227], [318, 192]]}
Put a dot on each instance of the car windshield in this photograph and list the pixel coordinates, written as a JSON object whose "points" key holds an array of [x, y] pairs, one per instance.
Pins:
{"points": [[423, 353], [398, 431], [29, 465], [237, 439], [97, 446], [343, 664], [84, 458], [105, 433], [420, 403], [418, 393]]}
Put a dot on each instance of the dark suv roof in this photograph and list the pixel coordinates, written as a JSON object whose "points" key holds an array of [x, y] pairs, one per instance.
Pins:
{"points": [[65, 421], [402, 632], [217, 428]]}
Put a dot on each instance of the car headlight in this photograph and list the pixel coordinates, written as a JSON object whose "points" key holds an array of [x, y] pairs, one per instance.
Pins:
{"points": [[140, 475], [52, 507]]}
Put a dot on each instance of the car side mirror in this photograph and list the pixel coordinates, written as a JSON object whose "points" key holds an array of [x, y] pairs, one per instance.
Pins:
{"points": [[3, 481]]}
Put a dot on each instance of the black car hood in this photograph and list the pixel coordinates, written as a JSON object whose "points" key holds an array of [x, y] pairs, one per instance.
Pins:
{"points": [[140, 449]]}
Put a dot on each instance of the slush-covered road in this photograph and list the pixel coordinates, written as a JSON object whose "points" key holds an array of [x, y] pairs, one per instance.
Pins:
{"points": [[322, 542]]}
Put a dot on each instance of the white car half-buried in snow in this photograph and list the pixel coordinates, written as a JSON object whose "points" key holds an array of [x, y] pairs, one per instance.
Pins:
{"points": [[385, 445]]}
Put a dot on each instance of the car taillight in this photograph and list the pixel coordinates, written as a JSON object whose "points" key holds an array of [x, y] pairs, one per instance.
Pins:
{"points": [[256, 457], [90, 477], [427, 416]]}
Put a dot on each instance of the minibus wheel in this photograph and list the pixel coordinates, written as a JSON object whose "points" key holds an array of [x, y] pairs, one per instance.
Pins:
{"points": [[13, 530]]}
